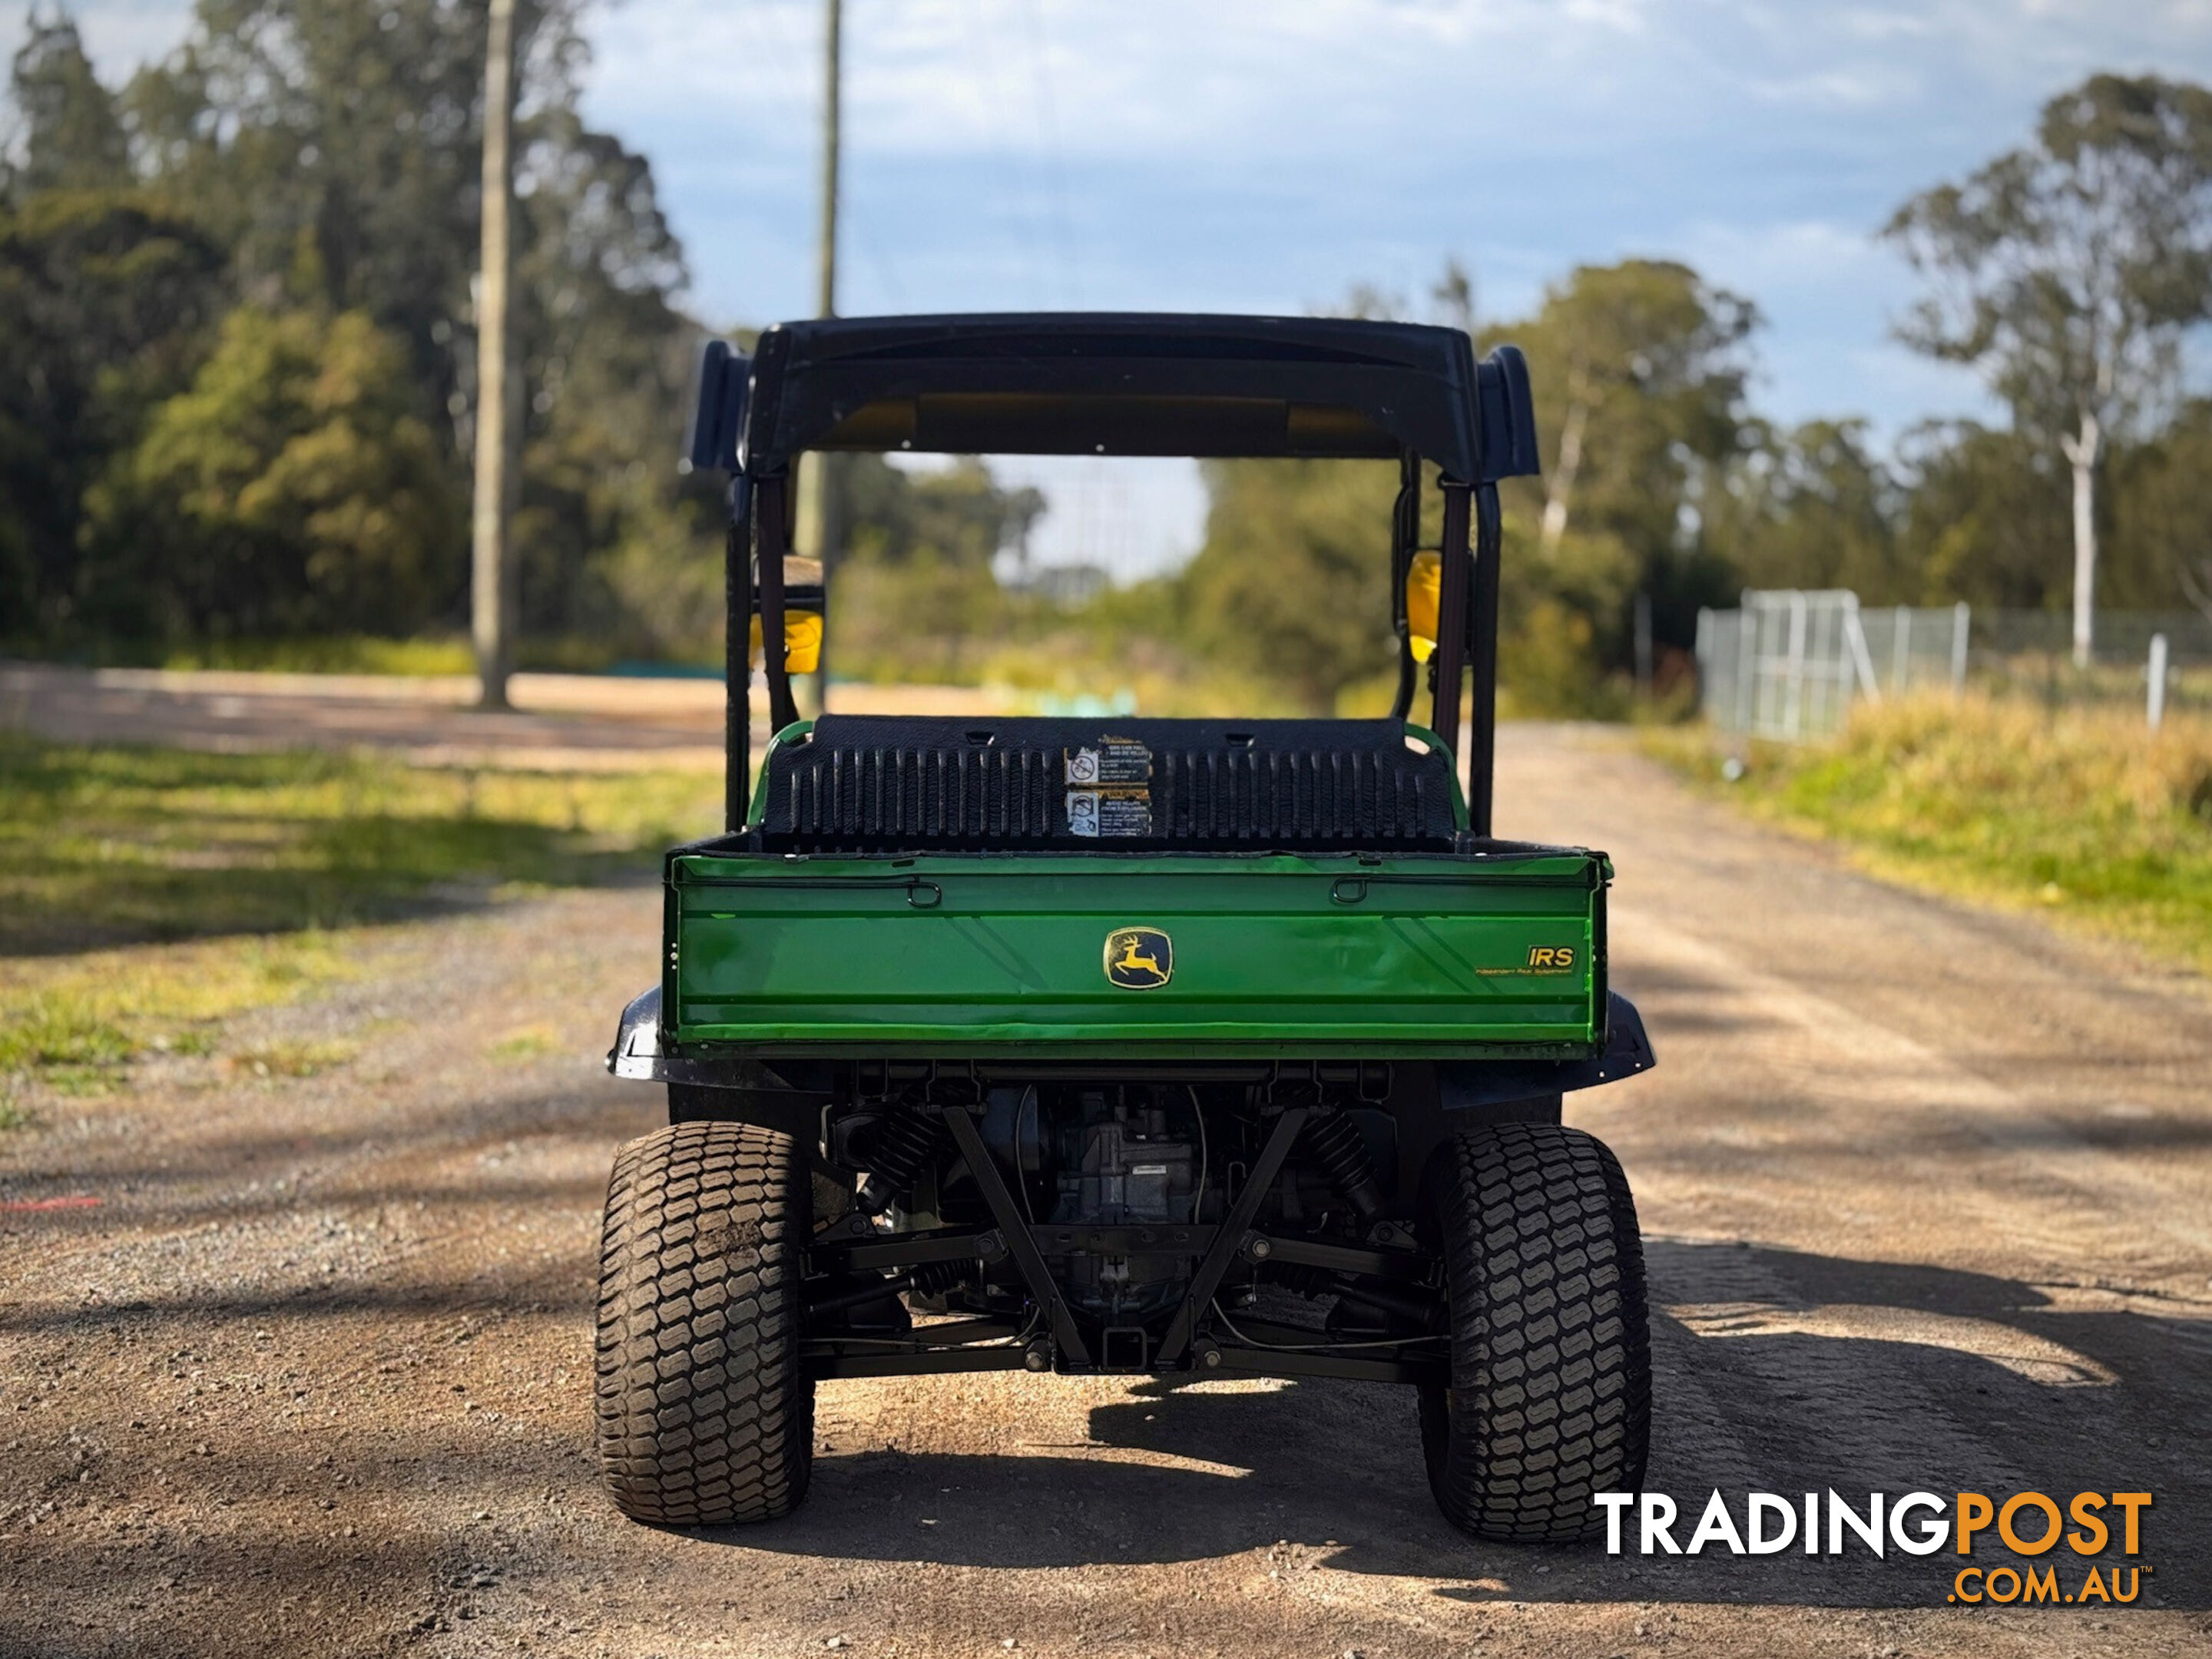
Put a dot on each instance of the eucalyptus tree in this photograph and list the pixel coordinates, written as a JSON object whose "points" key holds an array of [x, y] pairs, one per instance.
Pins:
{"points": [[1640, 371], [67, 133], [334, 148], [2068, 270], [107, 292]]}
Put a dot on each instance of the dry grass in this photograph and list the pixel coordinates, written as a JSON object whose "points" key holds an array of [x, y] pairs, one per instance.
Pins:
{"points": [[2085, 814]]}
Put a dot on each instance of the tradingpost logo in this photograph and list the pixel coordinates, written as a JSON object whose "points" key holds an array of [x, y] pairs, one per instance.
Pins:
{"points": [[2101, 1532]]}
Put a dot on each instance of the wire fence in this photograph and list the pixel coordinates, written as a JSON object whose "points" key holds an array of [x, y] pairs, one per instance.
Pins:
{"points": [[1788, 664], [2030, 653]]}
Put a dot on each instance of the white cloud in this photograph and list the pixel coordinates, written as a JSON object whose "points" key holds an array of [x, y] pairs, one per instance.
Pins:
{"points": [[1790, 256]]}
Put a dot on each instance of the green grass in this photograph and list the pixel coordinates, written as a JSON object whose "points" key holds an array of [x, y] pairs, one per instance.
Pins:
{"points": [[2085, 816], [340, 654], [146, 895], [72, 1023], [109, 845]]}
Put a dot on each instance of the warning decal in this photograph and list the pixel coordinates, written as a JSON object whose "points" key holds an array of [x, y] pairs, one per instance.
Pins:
{"points": [[1109, 812], [1113, 761], [1110, 788]]}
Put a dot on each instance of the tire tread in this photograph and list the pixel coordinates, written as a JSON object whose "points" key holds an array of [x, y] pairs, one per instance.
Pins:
{"points": [[1550, 1399], [705, 1415]]}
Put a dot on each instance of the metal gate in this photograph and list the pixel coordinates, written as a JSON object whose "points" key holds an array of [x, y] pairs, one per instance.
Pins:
{"points": [[1788, 663]]}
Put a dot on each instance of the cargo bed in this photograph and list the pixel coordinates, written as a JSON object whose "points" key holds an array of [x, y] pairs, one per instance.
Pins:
{"points": [[1495, 955]]}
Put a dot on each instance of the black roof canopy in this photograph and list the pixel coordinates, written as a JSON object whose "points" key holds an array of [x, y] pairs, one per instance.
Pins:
{"points": [[1131, 384]]}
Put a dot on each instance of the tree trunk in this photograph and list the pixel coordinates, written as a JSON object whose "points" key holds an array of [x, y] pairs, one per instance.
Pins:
{"points": [[2082, 451], [492, 587], [1563, 474]]}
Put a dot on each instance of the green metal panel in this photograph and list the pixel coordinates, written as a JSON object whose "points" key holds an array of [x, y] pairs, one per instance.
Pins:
{"points": [[1275, 954]]}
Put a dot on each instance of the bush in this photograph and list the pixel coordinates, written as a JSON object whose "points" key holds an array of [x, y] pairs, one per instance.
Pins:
{"points": [[294, 489], [2085, 812]]}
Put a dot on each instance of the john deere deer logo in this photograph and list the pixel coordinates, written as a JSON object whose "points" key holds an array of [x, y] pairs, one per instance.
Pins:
{"points": [[1139, 958]]}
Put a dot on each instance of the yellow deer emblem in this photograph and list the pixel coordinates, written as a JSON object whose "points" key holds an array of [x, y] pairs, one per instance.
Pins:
{"points": [[1139, 958]]}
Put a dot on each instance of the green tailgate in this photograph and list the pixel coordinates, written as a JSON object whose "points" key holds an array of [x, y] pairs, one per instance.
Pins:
{"points": [[1275, 956]]}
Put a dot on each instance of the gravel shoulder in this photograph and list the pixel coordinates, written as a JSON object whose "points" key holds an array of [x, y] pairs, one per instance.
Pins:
{"points": [[300, 1366]]}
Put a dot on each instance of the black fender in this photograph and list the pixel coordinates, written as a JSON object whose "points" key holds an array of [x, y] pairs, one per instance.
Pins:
{"points": [[1465, 1083], [637, 1054], [729, 1089]]}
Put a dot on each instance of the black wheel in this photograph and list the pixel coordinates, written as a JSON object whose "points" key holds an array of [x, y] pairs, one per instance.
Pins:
{"points": [[705, 1414], [1550, 1398]]}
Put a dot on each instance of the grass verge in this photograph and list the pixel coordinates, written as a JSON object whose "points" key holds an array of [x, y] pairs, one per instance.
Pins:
{"points": [[148, 894], [2085, 815], [106, 845]]}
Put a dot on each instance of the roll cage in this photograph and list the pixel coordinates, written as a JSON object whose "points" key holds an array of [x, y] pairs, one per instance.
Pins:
{"points": [[1126, 383]]}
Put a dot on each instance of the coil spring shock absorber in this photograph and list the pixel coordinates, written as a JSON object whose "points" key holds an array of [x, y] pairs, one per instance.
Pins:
{"points": [[902, 1149], [1333, 1142]]}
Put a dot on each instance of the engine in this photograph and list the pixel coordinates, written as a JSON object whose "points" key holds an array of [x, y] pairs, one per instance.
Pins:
{"points": [[1121, 1163], [1125, 1156]]}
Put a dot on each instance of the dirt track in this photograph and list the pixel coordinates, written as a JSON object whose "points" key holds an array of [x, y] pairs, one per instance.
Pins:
{"points": [[300, 1367]]}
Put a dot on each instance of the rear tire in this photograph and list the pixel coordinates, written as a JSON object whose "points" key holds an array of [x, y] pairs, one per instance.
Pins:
{"points": [[706, 1416], [1550, 1399]]}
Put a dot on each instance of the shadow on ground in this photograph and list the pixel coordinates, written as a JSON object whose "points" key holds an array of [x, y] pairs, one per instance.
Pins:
{"points": [[1332, 1471]]}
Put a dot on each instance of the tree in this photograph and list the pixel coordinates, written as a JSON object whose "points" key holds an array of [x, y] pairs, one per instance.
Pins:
{"points": [[915, 589], [105, 298], [295, 487], [1985, 515], [1639, 367], [70, 136], [332, 147], [2068, 271], [319, 157], [608, 541], [1813, 506], [2160, 551], [1292, 582], [1639, 371], [104, 294]]}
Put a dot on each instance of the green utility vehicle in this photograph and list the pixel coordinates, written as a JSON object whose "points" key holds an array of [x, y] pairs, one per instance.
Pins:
{"points": [[1161, 1048]]}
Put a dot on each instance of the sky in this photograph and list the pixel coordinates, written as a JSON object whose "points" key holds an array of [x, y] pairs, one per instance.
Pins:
{"points": [[1265, 155]]}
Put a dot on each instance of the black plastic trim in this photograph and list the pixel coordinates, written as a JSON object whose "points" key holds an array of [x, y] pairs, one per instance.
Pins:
{"points": [[1462, 1083]]}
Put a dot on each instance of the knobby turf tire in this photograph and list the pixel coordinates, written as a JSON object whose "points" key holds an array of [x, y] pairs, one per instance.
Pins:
{"points": [[1550, 1399], [706, 1416]]}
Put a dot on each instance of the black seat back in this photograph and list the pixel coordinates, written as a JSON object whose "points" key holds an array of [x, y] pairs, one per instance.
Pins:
{"points": [[870, 783]]}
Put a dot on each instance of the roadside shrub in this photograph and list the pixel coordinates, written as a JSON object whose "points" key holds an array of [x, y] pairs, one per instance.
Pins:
{"points": [[2086, 813]]}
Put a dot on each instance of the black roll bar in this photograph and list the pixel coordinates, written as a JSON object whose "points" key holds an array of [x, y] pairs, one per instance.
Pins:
{"points": [[1482, 657], [737, 655], [772, 513], [1344, 389], [1449, 659], [1405, 543]]}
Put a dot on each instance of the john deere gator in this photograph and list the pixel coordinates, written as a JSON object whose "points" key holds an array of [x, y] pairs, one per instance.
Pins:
{"points": [[1162, 1048]]}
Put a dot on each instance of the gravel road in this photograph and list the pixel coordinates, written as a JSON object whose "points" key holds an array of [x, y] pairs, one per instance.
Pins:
{"points": [[300, 1366]]}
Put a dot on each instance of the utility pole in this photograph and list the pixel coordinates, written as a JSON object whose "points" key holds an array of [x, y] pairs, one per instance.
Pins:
{"points": [[816, 529], [492, 608], [832, 92]]}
